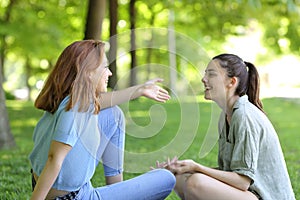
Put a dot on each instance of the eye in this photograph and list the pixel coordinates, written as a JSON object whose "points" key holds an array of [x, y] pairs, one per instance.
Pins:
{"points": [[211, 73]]}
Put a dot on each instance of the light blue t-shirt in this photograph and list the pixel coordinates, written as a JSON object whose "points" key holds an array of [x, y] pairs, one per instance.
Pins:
{"points": [[252, 148], [77, 129]]}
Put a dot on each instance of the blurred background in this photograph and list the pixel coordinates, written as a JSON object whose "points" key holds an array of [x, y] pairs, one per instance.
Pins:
{"points": [[171, 39], [179, 36]]}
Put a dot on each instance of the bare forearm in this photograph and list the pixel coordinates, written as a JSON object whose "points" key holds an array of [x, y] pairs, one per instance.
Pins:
{"points": [[113, 179], [56, 156], [231, 178], [110, 99], [46, 180]]}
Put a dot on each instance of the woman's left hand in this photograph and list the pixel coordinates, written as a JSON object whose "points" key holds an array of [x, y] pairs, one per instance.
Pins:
{"points": [[183, 166], [152, 91]]}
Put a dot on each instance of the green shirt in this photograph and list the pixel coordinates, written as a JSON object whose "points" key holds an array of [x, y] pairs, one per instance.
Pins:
{"points": [[250, 146]]}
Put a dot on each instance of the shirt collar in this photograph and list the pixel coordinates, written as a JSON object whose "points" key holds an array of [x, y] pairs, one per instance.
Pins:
{"points": [[241, 101]]}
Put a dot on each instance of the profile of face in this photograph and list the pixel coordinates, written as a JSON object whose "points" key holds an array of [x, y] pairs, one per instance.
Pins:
{"points": [[216, 82], [102, 74]]}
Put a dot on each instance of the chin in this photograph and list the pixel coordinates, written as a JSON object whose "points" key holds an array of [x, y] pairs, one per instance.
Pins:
{"points": [[103, 90], [207, 98]]}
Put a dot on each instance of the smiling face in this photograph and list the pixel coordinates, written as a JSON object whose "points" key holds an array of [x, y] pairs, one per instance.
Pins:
{"points": [[216, 83], [102, 75]]}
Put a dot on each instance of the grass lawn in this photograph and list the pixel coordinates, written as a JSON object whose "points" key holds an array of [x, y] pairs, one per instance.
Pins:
{"points": [[153, 133]]}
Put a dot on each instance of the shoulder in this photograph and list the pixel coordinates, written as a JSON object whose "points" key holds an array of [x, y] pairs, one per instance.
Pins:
{"points": [[244, 111]]}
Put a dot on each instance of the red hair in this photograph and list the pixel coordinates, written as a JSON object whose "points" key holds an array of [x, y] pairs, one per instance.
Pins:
{"points": [[71, 76]]}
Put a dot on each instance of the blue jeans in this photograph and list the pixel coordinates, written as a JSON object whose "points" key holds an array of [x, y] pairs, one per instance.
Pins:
{"points": [[111, 124], [153, 185], [156, 184]]}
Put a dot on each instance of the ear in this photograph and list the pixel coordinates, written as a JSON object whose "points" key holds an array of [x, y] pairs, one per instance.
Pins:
{"points": [[233, 81]]}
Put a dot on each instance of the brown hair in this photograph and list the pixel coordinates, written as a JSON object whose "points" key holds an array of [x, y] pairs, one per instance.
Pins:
{"points": [[248, 79], [71, 75]]}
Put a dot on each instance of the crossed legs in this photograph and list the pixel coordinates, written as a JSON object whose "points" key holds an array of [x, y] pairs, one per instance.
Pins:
{"points": [[199, 186]]}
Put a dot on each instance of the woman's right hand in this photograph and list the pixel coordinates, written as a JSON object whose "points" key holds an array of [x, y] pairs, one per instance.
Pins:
{"points": [[152, 91], [165, 164]]}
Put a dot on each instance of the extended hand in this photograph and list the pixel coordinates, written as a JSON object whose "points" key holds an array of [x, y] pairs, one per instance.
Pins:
{"points": [[152, 91]]}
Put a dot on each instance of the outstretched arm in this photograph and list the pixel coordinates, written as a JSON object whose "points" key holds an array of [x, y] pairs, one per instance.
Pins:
{"points": [[56, 156], [150, 89]]}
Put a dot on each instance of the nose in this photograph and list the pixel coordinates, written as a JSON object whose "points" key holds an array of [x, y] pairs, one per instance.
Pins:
{"points": [[203, 80]]}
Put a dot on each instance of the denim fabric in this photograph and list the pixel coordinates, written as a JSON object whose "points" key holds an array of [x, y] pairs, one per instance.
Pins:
{"points": [[156, 184], [112, 130], [153, 185]]}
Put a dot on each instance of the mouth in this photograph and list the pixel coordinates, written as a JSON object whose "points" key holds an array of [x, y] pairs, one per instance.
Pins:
{"points": [[207, 88]]}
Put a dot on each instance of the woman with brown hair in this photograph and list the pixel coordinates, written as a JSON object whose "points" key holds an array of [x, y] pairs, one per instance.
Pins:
{"points": [[82, 126], [250, 161]]}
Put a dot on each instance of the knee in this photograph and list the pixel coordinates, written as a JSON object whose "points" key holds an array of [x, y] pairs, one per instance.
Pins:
{"points": [[119, 115], [195, 184], [111, 115], [167, 177], [114, 111]]}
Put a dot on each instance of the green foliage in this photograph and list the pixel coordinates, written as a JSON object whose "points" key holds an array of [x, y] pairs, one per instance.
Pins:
{"points": [[15, 182], [44, 28], [37, 31], [9, 96]]}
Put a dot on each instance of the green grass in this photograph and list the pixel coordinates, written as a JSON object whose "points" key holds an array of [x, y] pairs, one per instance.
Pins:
{"points": [[179, 130]]}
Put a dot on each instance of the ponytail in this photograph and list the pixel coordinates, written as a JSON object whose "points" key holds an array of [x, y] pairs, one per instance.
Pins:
{"points": [[253, 86]]}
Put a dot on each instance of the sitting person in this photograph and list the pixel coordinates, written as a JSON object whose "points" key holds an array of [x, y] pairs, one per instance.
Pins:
{"points": [[81, 126], [251, 162]]}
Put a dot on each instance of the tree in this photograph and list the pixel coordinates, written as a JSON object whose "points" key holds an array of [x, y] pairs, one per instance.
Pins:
{"points": [[6, 137], [112, 54], [95, 16], [172, 51], [133, 71]]}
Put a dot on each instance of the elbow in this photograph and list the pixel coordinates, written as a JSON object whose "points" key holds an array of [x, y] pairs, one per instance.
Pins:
{"points": [[53, 161], [244, 186], [245, 183]]}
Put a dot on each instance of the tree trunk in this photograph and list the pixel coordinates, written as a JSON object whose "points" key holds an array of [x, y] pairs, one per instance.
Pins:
{"points": [[2, 55], [95, 16], [6, 138], [133, 71], [172, 52], [112, 54], [149, 50], [28, 75]]}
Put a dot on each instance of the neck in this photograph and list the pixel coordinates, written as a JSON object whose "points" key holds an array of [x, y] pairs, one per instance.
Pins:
{"points": [[228, 109]]}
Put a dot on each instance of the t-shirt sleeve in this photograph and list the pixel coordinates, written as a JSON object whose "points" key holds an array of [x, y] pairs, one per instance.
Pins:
{"points": [[64, 130], [245, 151]]}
